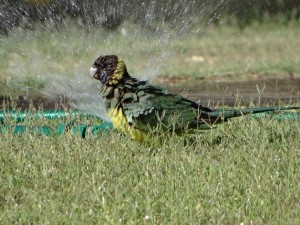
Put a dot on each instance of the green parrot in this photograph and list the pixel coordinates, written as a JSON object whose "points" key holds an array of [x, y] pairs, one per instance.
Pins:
{"points": [[136, 107]]}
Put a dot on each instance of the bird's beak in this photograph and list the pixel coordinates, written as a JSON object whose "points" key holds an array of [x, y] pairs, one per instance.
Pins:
{"points": [[93, 71]]}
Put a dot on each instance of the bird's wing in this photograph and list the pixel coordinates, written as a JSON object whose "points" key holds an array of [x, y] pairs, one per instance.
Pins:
{"points": [[150, 106]]}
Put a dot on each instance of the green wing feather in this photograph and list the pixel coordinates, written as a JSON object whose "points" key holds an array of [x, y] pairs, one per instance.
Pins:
{"points": [[150, 106], [146, 106]]}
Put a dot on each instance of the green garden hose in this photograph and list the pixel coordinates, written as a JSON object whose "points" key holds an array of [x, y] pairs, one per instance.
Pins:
{"points": [[84, 130], [20, 116]]}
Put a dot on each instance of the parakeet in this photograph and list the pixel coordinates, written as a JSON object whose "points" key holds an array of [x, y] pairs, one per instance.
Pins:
{"points": [[136, 107]]}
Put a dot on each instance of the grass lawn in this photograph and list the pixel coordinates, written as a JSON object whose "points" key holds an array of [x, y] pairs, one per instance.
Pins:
{"points": [[243, 172]]}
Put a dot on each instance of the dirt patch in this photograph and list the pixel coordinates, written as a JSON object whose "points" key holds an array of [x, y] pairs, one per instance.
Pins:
{"points": [[212, 92], [33, 102], [268, 91]]}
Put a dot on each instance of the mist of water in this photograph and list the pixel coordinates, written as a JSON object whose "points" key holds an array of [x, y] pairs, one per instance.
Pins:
{"points": [[143, 40]]}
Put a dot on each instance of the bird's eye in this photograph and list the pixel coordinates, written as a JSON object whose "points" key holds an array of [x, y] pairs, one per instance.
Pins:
{"points": [[102, 65], [103, 77]]}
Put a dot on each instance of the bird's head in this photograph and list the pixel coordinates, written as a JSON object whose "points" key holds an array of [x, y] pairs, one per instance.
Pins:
{"points": [[109, 69]]}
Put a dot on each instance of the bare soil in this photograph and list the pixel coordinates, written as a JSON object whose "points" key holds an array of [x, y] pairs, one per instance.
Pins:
{"points": [[213, 92]]}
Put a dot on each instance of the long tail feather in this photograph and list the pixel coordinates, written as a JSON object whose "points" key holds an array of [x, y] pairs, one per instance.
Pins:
{"points": [[225, 114]]}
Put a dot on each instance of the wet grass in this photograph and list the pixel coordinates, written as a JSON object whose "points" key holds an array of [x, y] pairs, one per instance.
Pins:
{"points": [[243, 172], [257, 51], [254, 52]]}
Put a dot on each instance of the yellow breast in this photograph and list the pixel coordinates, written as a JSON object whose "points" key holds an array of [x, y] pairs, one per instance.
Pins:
{"points": [[120, 123]]}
